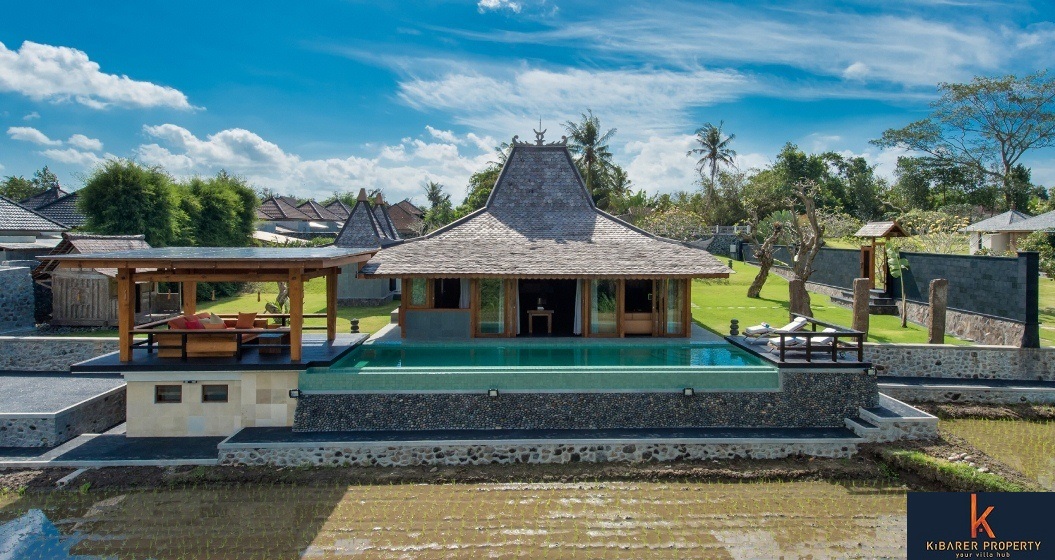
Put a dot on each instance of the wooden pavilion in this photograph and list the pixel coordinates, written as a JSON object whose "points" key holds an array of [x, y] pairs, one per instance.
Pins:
{"points": [[873, 265], [190, 265]]}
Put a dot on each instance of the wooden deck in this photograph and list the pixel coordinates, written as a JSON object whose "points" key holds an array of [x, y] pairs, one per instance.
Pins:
{"points": [[796, 358], [317, 352]]}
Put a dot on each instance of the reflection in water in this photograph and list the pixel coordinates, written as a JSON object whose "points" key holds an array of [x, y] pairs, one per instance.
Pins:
{"points": [[547, 520]]}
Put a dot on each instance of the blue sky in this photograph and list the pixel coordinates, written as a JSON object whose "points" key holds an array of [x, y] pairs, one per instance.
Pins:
{"points": [[340, 95]]}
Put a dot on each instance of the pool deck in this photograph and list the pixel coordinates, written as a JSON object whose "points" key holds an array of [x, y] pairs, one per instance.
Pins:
{"points": [[796, 358], [389, 334]]}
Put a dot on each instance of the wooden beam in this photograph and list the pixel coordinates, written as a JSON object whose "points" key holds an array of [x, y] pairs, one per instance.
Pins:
{"points": [[220, 277], [190, 297], [296, 313], [620, 307], [331, 304], [125, 312], [687, 307], [585, 308]]}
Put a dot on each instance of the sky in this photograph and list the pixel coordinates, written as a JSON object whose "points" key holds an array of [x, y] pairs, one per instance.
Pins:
{"points": [[334, 96]]}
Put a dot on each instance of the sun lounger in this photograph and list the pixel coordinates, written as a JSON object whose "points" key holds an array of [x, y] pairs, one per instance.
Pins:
{"points": [[764, 329]]}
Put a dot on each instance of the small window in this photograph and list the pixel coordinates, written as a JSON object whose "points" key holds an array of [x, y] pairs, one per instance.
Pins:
{"points": [[168, 393], [419, 295], [214, 393]]}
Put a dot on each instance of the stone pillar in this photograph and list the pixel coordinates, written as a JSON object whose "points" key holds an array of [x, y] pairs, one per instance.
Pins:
{"points": [[1029, 275], [939, 300], [860, 305]]}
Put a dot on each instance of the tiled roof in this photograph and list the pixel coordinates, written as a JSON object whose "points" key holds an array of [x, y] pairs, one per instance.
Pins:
{"points": [[540, 221], [15, 217], [404, 221], [64, 210], [408, 207], [1043, 222], [278, 209], [340, 209], [385, 221], [36, 201], [998, 222], [318, 212], [881, 229], [83, 243], [362, 229]]}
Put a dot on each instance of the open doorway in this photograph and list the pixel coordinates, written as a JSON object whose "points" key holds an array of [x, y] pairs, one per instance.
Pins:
{"points": [[638, 307], [555, 296]]}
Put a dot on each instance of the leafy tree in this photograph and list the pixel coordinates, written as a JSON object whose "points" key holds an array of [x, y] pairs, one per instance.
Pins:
{"points": [[222, 212], [18, 188], [807, 238], [590, 145], [986, 125], [44, 179], [675, 223], [897, 266], [481, 184], [440, 211], [714, 152], [123, 197]]}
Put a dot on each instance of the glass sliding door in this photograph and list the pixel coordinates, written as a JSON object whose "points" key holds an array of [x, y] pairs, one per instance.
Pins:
{"points": [[492, 307], [675, 307], [603, 307]]}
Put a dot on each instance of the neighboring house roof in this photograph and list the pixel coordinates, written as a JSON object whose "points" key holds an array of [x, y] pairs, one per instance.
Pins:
{"points": [[1043, 222], [278, 209], [383, 219], [84, 243], [999, 222], [318, 212], [405, 220], [408, 207], [290, 200], [540, 221], [881, 229], [64, 210], [15, 217], [50, 195], [362, 228], [340, 209]]}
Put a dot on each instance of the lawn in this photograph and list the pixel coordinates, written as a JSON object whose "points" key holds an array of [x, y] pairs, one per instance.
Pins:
{"points": [[1046, 303], [715, 302]]}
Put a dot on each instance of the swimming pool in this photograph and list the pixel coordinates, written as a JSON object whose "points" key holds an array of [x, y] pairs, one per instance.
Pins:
{"points": [[568, 366]]}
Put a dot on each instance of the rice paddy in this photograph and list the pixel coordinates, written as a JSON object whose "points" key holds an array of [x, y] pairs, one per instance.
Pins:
{"points": [[1028, 447]]}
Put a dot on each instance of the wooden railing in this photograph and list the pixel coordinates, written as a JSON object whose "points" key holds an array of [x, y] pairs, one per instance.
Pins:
{"points": [[840, 333], [242, 336]]}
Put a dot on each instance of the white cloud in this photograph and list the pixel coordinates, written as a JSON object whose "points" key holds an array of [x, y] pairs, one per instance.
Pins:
{"points": [[31, 116], [73, 156], [83, 142], [397, 169], [59, 74], [856, 71], [30, 134], [443, 135], [495, 5]]}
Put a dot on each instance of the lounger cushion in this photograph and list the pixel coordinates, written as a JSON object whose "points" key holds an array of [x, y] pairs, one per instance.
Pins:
{"points": [[177, 323], [245, 320], [194, 324], [757, 330], [214, 326]]}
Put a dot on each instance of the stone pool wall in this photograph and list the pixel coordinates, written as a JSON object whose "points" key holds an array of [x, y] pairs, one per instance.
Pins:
{"points": [[539, 453], [962, 362], [47, 430], [967, 394], [50, 353], [807, 398]]}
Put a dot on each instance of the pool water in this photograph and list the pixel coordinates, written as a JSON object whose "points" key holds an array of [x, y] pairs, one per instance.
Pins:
{"points": [[542, 367]]}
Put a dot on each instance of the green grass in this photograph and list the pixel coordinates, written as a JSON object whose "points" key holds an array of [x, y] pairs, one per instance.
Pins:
{"points": [[715, 302], [964, 477], [1046, 302]]}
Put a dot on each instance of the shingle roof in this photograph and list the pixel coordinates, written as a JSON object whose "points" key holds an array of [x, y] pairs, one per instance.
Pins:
{"points": [[881, 229], [50, 195], [15, 217], [405, 219], [540, 221], [384, 220], [318, 212], [278, 209], [408, 207], [340, 209], [998, 222], [64, 210], [82, 243], [1043, 222], [362, 229]]}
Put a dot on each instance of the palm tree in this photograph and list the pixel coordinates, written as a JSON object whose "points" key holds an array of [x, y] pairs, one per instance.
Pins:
{"points": [[590, 145], [714, 152]]}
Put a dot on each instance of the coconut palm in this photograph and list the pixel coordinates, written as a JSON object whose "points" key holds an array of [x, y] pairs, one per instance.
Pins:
{"points": [[714, 152], [586, 141]]}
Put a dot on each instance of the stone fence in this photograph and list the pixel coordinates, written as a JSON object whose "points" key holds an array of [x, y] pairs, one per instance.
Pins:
{"points": [[50, 353], [962, 362], [16, 298]]}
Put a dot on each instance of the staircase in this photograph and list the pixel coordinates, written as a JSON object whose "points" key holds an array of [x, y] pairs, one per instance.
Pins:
{"points": [[878, 302], [891, 420]]}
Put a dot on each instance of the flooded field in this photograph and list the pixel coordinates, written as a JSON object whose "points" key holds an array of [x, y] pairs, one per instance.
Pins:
{"points": [[1028, 447], [550, 520]]}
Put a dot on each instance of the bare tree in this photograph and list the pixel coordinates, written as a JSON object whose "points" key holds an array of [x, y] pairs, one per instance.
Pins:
{"points": [[764, 254], [808, 238]]}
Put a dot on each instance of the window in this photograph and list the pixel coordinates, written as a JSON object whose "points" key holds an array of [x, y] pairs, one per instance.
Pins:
{"points": [[168, 393], [214, 393], [603, 294], [419, 292], [446, 293], [492, 306]]}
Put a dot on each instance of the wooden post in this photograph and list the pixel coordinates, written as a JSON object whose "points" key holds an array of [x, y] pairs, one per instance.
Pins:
{"points": [[331, 304], [939, 300], [190, 297], [296, 313], [687, 307], [620, 307], [125, 312], [860, 305]]}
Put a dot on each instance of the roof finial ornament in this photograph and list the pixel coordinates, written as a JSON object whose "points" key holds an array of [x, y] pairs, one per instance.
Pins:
{"points": [[539, 135]]}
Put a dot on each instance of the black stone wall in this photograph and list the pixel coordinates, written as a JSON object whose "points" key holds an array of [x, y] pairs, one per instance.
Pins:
{"points": [[807, 399], [996, 286]]}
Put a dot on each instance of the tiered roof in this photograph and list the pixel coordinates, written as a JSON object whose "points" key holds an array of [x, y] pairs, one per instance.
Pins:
{"points": [[540, 221], [364, 228]]}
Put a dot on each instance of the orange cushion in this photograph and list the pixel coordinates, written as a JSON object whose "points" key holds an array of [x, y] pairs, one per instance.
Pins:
{"points": [[177, 323], [259, 323], [194, 324], [245, 320], [214, 326], [230, 323]]}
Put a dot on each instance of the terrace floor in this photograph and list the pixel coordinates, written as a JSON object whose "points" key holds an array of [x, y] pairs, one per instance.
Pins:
{"points": [[797, 358], [316, 352]]}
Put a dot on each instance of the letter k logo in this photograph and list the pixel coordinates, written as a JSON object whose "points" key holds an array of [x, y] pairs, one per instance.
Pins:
{"points": [[977, 521]]}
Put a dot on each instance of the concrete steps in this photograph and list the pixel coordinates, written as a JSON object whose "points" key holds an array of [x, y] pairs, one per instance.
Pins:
{"points": [[878, 302], [892, 420]]}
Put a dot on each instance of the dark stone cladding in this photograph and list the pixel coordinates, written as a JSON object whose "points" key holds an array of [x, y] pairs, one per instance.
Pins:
{"points": [[808, 399]]}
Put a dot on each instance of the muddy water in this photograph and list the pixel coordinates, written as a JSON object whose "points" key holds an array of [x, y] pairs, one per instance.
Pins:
{"points": [[589, 520], [1028, 447]]}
